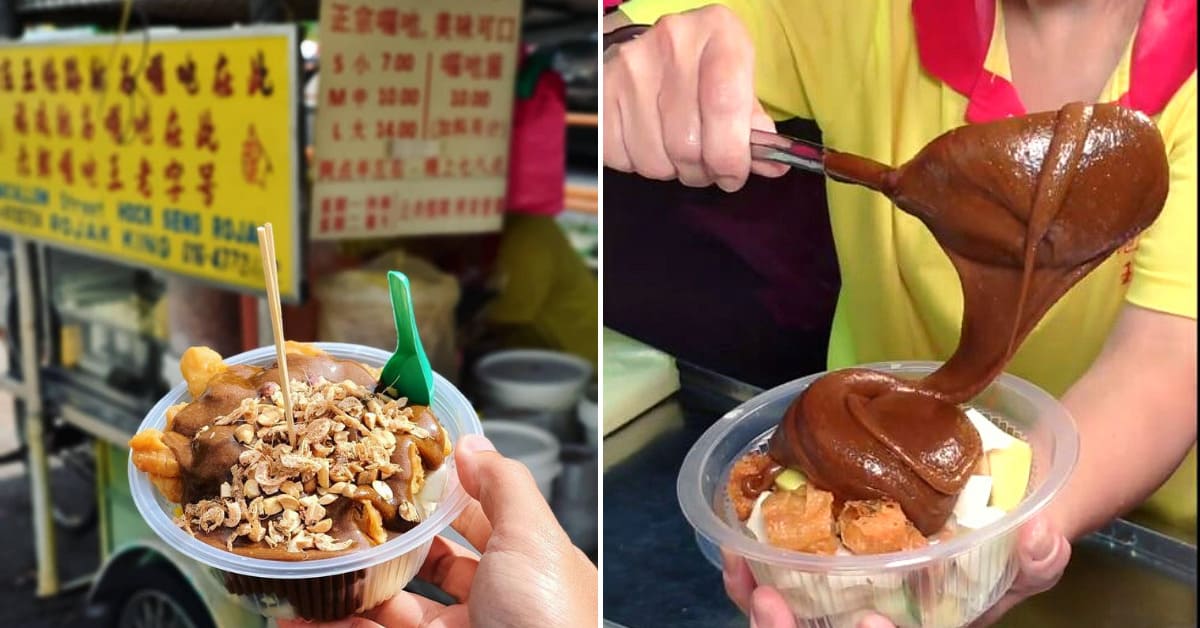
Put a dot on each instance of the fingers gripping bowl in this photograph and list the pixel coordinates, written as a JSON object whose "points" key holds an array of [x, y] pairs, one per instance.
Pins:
{"points": [[948, 583], [317, 585]]}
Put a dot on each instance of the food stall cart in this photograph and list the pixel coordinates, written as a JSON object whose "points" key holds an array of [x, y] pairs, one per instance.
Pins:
{"points": [[97, 290]]}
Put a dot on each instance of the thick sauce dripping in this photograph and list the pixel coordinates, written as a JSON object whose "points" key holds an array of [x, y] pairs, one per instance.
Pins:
{"points": [[1024, 208]]}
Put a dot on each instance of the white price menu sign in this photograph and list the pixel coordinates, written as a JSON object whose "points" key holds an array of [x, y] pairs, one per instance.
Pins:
{"points": [[414, 118]]}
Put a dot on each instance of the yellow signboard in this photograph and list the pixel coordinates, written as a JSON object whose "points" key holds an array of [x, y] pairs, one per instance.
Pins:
{"points": [[164, 153]]}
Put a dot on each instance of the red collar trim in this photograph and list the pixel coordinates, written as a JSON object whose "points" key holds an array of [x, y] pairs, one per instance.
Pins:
{"points": [[953, 39]]}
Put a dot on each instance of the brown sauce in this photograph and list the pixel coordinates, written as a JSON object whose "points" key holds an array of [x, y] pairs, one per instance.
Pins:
{"points": [[1024, 208]]}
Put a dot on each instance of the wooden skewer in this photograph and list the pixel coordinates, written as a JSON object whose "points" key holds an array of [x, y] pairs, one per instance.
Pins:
{"points": [[266, 245]]}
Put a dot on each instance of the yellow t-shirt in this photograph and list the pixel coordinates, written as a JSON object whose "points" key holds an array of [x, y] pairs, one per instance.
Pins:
{"points": [[549, 298], [856, 68]]}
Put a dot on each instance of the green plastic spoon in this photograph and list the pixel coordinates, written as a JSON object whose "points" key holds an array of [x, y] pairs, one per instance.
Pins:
{"points": [[407, 373]]}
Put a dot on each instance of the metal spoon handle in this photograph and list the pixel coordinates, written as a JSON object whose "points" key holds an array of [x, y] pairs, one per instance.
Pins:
{"points": [[629, 32], [802, 154]]}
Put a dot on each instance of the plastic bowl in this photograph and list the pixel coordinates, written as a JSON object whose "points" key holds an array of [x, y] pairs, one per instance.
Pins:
{"points": [[947, 584], [532, 379], [329, 588]]}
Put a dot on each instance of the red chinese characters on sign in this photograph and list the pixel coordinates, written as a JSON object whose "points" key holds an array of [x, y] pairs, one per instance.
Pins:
{"points": [[27, 82], [87, 129], [362, 64], [72, 77], [23, 161], [143, 179], [156, 76], [495, 66], [260, 80], [475, 66], [485, 27], [41, 120], [141, 127], [63, 118], [174, 174], [112, 123], [20, 118], [362, 19], [222, 78], [255, 163], [391, 21], [399, 97], [128, 83], [207, 183], [206, 132], [114, 173], [468, 127], [173, 135], [339, 20], [333, 214], [6, 77], [336, 96], [87, 169], [451, 64], [399, 61], [462, 26], [387, 20], [43, 163], [378, 210], [478, 98], [451, 92], [97, 79], [443, 207], [66, 168], [410, 25], [49, 75], [185, 73], [360, 169], [467, 26]]}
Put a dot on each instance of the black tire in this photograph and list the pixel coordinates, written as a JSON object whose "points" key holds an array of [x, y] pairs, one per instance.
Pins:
{"points": [[157, 596]]}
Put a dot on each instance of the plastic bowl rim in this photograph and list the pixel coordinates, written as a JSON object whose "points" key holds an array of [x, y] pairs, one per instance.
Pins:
{"points": [[585, 368], [699, 513], [448, 509]]}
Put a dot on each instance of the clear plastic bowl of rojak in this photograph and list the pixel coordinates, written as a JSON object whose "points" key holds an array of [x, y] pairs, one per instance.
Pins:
{"points": [[326, 525], [836, 562]]}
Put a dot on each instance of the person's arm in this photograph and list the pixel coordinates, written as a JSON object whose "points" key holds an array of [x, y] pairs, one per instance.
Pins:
{"points": [[681, 100], [1136, 405], [1136, 413]]}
